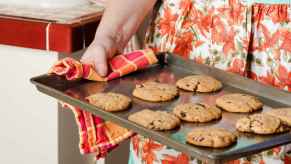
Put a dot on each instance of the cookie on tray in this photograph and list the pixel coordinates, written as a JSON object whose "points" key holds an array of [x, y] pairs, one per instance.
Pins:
{"points": [[284, 114], [197, 112], [199, 83], [211, 137], [261, 124], [239, 103], [156, 120], [155, 91], [111, 102]]}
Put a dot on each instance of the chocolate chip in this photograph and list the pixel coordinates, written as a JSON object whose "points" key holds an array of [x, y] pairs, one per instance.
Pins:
{"points": [[183, 114], [201, 139], [202, 105], [198, 139]]}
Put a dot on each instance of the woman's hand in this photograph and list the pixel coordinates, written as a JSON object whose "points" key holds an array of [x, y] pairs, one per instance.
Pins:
{"points": [[120, 21], [98, 54]]}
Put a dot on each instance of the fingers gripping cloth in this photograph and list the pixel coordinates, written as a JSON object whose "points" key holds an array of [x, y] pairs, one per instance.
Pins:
{"points": [[96, 135], [119, 66]]}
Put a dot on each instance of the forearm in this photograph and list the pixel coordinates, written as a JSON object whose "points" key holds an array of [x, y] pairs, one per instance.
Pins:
{"points": [[121, 20]]}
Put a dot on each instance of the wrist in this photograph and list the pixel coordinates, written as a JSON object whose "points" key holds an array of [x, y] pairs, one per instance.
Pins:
{"points": [[107, 42], [112, 42]]}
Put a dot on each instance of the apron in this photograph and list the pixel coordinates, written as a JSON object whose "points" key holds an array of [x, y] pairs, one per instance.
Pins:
{"points": [[248, 37]]}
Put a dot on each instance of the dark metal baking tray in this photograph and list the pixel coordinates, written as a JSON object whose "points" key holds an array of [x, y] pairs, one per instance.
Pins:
{"points": [[176, 68]]}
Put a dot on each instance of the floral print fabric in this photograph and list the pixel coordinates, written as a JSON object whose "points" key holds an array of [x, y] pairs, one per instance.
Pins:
{"points": [[147, 151], [212, 32], [253, 40], [271, 45]]}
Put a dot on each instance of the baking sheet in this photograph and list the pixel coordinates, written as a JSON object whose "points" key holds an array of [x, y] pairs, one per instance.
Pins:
{"points": [[247, 144]]}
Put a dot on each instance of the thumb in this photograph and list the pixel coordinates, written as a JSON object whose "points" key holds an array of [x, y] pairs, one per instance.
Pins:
{"points": [[101, 65], [96, 56]]}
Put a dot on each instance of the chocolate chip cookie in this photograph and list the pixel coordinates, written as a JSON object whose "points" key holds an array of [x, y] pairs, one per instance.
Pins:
{"points": [[261, 124], [156, 120], [199, 83], [155, 91], [197, 112], [111, 102], [284, 114], [211, 137], [239, 103]]}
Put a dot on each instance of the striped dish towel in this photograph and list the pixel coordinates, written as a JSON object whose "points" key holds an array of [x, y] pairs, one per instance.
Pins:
{"points": [[96, 135], [119, 66]]}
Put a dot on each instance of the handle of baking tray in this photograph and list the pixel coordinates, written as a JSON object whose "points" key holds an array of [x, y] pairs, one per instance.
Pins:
{"points": [[162, 58]]}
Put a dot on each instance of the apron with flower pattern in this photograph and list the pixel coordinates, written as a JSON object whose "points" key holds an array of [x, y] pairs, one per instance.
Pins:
{"points": [[248, 37]]}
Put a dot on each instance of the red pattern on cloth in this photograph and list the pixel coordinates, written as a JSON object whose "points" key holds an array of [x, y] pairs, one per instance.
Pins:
{"points": [[119, 66], [96, 135], [288, 159]]}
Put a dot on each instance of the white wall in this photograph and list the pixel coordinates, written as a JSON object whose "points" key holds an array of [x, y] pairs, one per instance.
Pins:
{"points": [[28, 119]]}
